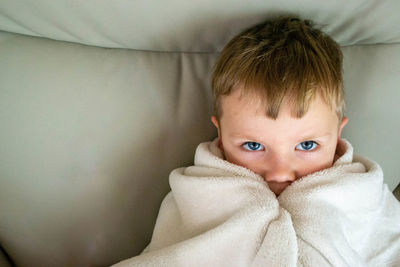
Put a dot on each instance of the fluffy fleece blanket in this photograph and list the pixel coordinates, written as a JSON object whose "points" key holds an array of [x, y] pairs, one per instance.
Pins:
{"points": [[221, 214]]}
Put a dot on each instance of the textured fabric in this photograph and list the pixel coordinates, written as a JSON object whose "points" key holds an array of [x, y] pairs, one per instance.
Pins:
{"points": [[221, 214], [195, 26]]}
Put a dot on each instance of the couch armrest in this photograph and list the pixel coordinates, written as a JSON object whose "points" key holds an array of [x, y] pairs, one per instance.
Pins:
{"points": [[396, 192], [4, 259]]}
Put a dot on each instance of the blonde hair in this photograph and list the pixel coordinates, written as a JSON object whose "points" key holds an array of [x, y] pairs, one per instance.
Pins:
{"points": [[284, 59]]}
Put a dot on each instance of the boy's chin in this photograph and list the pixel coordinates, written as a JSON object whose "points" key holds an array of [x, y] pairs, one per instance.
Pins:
{"points": [[278, 188]]}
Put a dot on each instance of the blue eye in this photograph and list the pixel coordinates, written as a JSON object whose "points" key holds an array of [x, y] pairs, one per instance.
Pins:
{"points": [[253, 146], [306, 146]]}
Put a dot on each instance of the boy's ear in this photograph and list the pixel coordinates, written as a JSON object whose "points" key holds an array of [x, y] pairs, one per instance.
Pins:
{"points": [[345, 120], [216, 124]]}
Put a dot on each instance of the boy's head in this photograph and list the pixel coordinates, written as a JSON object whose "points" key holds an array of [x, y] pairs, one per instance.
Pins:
{"points": [[279, 100]]}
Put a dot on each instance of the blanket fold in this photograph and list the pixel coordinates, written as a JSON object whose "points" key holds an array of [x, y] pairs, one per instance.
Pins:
{"points": [[221, 214]]}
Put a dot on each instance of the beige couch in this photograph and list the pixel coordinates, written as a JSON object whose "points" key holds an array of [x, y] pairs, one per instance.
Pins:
{"points": [[100, 100]]}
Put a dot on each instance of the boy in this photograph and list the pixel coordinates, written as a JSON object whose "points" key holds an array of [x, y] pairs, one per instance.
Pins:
{"points": [[285, 79], [278, 187]]}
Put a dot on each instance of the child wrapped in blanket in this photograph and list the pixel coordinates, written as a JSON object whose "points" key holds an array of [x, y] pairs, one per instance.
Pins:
{"points": [[278, 187]]}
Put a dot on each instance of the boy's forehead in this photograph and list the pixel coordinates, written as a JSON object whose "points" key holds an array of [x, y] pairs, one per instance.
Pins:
{"points": [[238, 101], [246, 112]]}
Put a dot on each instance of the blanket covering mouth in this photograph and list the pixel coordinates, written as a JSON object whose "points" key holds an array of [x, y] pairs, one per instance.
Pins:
{"points": [[221, 214]]}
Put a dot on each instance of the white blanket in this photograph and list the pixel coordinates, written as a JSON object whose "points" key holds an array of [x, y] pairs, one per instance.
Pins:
{"points": [[220, 214]]}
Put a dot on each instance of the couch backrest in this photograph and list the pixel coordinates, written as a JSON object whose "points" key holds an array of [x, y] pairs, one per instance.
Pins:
{"points": [[202, 26]]}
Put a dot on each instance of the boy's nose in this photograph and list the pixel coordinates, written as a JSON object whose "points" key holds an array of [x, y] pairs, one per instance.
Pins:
{"points": [[280, 172]]}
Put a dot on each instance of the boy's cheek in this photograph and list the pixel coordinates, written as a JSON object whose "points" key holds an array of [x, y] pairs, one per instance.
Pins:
{"points": [[340, 149], [235, 157], [220, 146], [250, 163], [312, 167], [231, 158]]}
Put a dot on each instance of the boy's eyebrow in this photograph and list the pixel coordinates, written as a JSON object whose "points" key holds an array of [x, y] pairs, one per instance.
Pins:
{"points": [[310, 137]]}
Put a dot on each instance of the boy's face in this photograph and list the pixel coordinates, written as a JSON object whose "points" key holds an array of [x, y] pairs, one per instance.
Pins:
{"points": [[280, 150]]}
